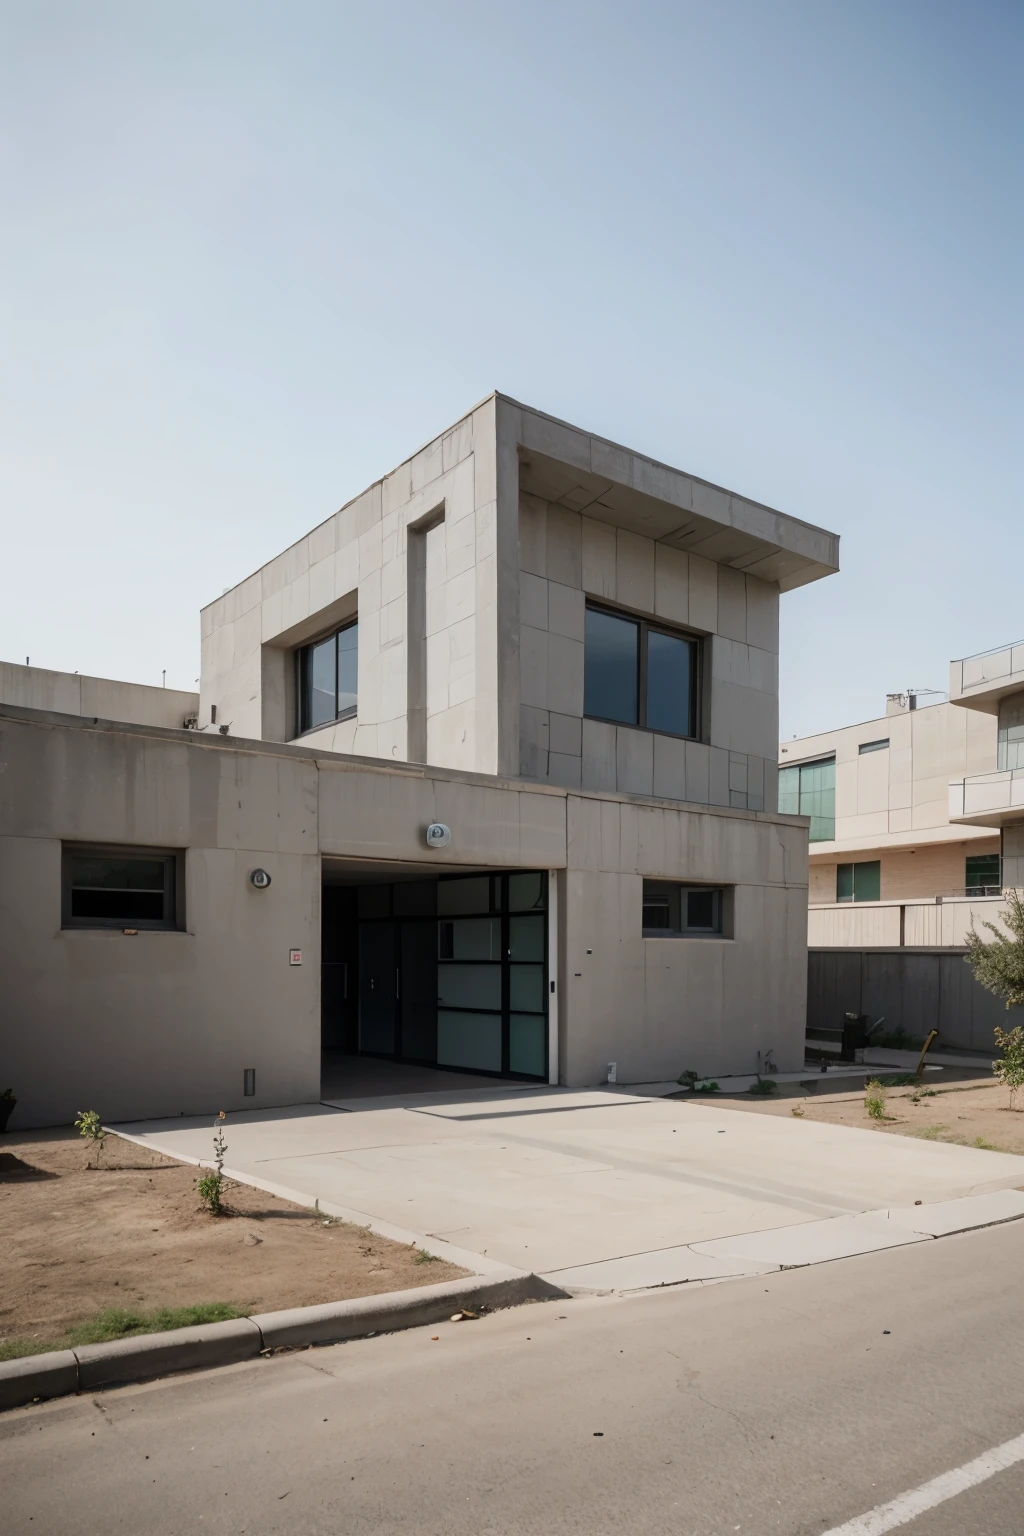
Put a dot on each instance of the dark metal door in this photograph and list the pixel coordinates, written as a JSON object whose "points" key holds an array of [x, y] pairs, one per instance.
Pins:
{"points": [[378, 988]]}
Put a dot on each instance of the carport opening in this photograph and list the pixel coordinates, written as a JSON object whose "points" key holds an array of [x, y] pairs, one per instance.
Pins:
{"points": [[445, 971]]}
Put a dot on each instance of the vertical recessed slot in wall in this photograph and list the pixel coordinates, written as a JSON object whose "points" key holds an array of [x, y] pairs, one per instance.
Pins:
{"points": [[416, 591], [248, 1081]]}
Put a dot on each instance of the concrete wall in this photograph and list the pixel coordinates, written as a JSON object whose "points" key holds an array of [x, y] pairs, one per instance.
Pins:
{"points": [[70, 693], [165, 1023], [360, 561], [565, 557], [915, 992], [160, 1023], [660, 1006]]}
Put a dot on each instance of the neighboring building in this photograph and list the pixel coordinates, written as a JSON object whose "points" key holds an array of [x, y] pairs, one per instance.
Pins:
{"points": [[917, 829], [990, 689], [878, 797], [101, 698], [484, 777]]}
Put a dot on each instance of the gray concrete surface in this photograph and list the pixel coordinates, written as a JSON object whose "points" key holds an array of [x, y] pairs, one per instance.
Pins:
{"points": [[786, 1404], [550, 1180]]}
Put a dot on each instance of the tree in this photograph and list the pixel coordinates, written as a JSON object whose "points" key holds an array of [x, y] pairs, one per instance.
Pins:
{"points": [[998, 965]]}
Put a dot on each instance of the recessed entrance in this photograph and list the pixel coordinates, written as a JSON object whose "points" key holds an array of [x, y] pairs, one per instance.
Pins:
{"points": [[447, 971]]}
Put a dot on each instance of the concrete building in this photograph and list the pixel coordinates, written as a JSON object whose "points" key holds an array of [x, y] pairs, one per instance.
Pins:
{"points": [[917, 829], [483, 778]]}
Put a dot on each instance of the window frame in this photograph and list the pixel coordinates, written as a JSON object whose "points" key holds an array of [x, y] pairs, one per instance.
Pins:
{"points": [[853, 865], [302, 656], [984, 886], [173, 861], [881, 745], [645, 627], [667, 889], [798, 767]]}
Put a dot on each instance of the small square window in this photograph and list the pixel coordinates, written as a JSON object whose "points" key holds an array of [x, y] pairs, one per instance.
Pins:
{"points": [[119, 888], [682, 910]]}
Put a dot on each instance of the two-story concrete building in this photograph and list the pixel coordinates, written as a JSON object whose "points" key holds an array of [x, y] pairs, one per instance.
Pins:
{"points": [[483, 778]]}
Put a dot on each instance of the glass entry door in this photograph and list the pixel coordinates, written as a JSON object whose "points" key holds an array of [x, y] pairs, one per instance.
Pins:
{"points": [[492, 973], [453, 972]]}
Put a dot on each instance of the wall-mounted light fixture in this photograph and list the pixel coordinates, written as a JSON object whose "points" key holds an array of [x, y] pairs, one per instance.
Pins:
{"points": [[260, 879], [438, 835]]}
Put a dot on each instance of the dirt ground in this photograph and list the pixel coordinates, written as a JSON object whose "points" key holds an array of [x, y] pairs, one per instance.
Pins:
{"points": [[133, 1234], [971, 1111]]}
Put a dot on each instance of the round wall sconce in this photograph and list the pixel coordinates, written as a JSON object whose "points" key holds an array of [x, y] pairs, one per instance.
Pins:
{"points": [[438, 835], [259, 879]]}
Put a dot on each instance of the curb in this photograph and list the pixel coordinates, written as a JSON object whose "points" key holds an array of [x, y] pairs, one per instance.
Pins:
{"points": [[94, 1366]]}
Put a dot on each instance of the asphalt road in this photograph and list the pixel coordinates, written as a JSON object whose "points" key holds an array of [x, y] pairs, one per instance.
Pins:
{"points": [[778, 1404]]}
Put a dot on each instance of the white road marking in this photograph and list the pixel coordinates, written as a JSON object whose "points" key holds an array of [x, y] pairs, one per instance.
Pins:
{"points": [[907, 1507]]}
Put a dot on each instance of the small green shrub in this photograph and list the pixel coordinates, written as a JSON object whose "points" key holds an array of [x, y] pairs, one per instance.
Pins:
{"points": [[423, 1257], [708, 1085], [88, 1125], [688, 1079], [210, 1187], [1010, 1066], [209, 1191], [763, 1085], [874, 1099]]}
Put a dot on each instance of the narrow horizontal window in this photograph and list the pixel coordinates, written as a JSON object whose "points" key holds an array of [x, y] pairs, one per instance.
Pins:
{"points": [[329, 678], [671, 908], [119, 888], [638, 673], [874, 746]]}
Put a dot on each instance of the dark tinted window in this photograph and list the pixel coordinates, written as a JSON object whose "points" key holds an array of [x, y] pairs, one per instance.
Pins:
{"points": [[328, 679], [611, 667], [639, 674], [669, 674], [673, 908], [119, 890]]}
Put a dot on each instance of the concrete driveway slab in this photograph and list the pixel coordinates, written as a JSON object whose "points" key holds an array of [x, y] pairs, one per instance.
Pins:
{"points": [[815, 1242], [551, 1180]]}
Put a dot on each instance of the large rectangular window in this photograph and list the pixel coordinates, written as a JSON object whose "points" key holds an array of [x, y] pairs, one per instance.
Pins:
{"points": [[328, 678], [859, 882], [119, 888], [637, 673], [809, 789]]}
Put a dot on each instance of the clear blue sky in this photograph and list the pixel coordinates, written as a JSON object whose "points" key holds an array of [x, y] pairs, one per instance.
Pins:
{"points": [[255, 254]]}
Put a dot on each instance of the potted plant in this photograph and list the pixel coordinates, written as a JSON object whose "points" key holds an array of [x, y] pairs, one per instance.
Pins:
{"points": [[7, 1103]]}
